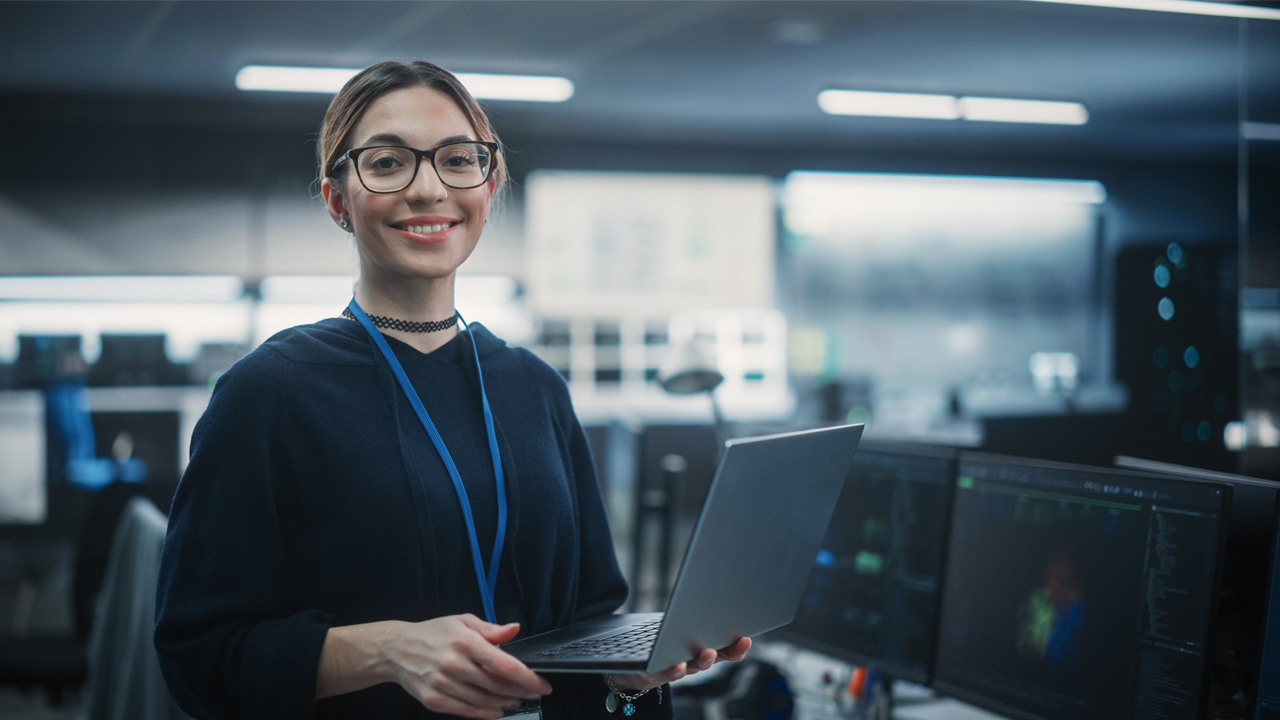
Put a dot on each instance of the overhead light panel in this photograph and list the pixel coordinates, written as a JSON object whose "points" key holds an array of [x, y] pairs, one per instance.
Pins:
{"points": [[521, 88], [279, 78], [950, 107], [1023, 111], [835, 189], [124, 288], [483, 86], [888, 104], [1260, 131], [1189, 7]]}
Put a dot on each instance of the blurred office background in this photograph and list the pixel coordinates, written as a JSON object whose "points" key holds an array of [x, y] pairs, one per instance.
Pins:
{"points": [[1099, 278]]}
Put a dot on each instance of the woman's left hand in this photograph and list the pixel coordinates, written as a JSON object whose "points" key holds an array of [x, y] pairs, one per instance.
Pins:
{"points": [[704, 660]]}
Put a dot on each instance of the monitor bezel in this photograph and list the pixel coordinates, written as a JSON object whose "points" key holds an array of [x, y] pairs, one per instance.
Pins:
{"points": [[984, 701], [890, 668]]}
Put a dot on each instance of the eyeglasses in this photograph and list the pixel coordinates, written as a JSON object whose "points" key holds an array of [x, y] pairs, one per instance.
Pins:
{"points": [[392, 168]]}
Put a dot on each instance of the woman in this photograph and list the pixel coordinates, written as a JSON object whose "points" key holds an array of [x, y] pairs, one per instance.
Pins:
{"points": [[335, 551]]}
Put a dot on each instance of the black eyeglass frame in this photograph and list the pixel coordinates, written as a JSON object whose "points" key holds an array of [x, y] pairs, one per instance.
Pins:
{"points": [[430, 154]]}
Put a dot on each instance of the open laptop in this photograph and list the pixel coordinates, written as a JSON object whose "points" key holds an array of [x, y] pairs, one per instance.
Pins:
{"points": [[745, 569]]}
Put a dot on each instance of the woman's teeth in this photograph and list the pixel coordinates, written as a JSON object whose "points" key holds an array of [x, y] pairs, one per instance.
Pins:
{"points": [[425, 229]]}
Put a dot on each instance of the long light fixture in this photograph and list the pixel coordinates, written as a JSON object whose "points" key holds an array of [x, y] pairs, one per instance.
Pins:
{"points": [[1260, 131], [950, 107], [124, 288], [833, 189], [523, 88], [887, 104], [1189, 7]]}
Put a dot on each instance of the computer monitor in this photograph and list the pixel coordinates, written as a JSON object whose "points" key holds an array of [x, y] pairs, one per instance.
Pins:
{"points": [[1076, 592], [134, 360], [1268, 705], [1242, 613], [43, 359], [872, 598]]}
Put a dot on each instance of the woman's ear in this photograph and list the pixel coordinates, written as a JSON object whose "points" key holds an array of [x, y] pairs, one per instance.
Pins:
{"points": [[335, 203]]}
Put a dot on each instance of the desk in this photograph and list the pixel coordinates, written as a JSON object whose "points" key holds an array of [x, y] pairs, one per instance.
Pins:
{"points": [[818, 683]]}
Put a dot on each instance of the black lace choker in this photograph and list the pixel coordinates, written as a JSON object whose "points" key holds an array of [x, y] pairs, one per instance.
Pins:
{"points": [[387, 323]]}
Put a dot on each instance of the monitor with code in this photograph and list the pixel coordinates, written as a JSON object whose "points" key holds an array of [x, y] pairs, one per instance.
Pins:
{"points": [[873, 595], [1075, 592]]}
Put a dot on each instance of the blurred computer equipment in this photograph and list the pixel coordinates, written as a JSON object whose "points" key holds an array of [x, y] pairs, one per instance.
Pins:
{"points": [[676, 465], [873, 596], [1076, 592], [44, 358], [1176, 327], [212, 360], [134, 360], [1268, 699], [1241, 618]]}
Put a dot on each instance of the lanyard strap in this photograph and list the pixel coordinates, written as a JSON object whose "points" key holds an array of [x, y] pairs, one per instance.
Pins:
{"points": [[489, 581]]}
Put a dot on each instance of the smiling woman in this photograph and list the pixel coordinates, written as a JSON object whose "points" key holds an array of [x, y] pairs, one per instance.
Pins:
{"points": [[332, 549]]}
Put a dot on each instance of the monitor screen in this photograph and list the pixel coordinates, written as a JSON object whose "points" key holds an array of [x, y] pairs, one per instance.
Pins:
{"points": [[873, 594], [1249, 555], [1076, 592], [1269, 675]]}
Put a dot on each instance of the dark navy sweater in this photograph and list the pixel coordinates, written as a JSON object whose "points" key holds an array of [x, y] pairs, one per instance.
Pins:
{"points": [[314, 498]]}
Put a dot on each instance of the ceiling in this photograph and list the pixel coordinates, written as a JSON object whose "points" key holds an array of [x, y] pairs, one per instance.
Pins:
{"points": [[681, 72]]}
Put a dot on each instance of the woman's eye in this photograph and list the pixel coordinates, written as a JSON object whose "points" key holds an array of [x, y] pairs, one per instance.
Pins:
{"points": [[459, 159], [383, 162]]}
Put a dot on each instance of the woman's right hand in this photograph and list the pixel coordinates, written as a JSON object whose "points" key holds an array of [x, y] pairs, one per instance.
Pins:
{"points": [[453, 665], [449, 664]]}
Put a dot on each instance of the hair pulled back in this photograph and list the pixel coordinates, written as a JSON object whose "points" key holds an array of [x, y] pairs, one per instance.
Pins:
{"points": [[362, 90]]}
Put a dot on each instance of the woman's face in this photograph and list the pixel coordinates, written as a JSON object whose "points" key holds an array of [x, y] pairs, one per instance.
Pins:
{"points": [[428, 229]]}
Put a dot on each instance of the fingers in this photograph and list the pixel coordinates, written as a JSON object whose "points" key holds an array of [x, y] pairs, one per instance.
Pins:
{"points": [[453, 666], [501, 667], [467, 701], [704, 660], [734, 652], [496, 634]]}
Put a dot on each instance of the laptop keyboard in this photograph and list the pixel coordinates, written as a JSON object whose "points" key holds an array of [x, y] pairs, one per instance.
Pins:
{"points": [[636, 643]]}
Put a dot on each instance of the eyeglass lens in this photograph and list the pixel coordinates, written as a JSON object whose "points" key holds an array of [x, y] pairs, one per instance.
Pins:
{"points": [[389, 169]]}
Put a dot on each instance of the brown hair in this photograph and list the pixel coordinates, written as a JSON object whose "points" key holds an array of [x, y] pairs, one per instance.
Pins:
{"points": [[349, 105]]}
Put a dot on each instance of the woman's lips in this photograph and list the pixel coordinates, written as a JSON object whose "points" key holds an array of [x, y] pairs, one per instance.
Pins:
{"points": [[436, 232]]}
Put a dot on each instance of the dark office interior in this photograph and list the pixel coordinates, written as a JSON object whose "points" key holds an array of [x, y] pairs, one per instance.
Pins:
{"points": [[130, 152]]}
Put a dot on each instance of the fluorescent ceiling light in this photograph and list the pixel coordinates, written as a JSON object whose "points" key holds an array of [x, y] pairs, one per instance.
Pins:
{"points": [[888, 104], [950, 107], [1260, 131], [1023, 111], [525, 88], [1191, 7], [835, 188], [144, 288], [276, 78]]}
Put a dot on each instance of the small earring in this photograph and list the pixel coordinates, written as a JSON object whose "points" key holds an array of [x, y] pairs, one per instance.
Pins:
{"points": [[344, 223]]}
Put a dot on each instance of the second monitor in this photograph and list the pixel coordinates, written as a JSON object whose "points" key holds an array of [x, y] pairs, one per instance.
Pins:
{"points": [[1079, 593], [872, 597]]}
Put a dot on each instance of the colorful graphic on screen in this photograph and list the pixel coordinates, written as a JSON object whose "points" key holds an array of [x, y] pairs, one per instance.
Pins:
{"points": [[1050, 621]]}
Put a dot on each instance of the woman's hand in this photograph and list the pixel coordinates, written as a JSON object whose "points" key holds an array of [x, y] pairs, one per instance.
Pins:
{"points": [[451, 664], [704, 660]]}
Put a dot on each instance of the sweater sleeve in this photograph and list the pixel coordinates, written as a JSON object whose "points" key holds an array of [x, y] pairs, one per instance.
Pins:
{"points": [[229, 642], [602, 588]]}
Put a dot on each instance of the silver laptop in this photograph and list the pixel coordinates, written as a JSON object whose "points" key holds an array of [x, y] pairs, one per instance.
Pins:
{"points": [[746, 566]]}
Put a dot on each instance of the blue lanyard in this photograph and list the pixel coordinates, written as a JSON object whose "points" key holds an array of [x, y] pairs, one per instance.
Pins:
{"points": [[487, 581]]}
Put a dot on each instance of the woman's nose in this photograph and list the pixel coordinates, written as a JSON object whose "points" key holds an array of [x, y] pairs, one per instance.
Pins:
{"points": [[427, 186]]}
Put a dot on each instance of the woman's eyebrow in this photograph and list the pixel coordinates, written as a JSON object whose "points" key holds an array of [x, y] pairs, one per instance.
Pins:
{"points": [[393, 139], [385, 139]]}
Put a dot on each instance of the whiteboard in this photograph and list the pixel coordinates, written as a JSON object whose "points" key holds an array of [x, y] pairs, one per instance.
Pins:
{"points": [[604, 244]]}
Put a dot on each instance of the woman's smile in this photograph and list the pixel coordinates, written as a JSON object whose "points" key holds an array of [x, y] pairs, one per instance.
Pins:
{"points": [[430, 230]]}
